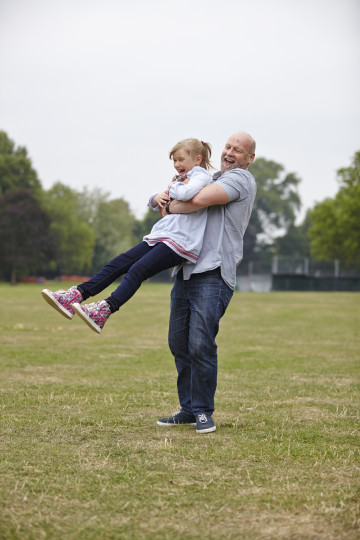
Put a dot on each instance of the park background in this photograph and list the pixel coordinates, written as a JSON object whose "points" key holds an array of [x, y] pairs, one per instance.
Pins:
{"points": [[93, 95]]}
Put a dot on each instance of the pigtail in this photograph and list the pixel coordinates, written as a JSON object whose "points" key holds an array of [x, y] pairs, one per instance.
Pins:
{"points": [[206, 154]]}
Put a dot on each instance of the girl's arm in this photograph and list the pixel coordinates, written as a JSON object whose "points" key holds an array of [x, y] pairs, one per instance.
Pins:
{"points": [[185, 192], [209, 196]]}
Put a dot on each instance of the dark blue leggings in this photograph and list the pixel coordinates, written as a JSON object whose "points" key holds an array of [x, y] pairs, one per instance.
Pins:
{"points": [[139, 263]]}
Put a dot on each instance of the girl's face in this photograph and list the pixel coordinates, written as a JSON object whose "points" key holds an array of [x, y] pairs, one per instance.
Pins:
{"points": [[183, 162]]}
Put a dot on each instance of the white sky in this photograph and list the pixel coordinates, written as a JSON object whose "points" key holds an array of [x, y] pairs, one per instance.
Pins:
{"points": [[99, 91]]}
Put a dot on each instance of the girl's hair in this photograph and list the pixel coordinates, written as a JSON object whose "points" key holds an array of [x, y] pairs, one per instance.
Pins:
{"points": [[194, 147]]}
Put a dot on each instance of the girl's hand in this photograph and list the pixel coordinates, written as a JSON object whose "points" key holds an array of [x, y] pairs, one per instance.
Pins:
{"points": [[161, 199]]}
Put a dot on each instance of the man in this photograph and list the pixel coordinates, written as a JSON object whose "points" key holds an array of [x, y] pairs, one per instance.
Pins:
{"points": [[202, 291]]}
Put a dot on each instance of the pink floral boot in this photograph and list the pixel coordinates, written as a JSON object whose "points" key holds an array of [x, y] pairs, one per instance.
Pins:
{"points": [[95, 315], [62, 301]]}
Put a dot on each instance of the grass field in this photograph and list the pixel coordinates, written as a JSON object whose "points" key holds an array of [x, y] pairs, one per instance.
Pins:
{"points": [[81, 454]]}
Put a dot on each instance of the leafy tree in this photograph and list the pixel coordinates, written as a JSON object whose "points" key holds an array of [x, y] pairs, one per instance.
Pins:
{"points": [[73, 234], [89, 202], [16, 171], [276, 203], [335, 229], [296, 241], [113, 229], [25, 237]]}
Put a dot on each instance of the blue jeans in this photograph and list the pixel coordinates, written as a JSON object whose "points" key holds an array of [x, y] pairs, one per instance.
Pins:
{"points": [[139, 263], [197, 306]]}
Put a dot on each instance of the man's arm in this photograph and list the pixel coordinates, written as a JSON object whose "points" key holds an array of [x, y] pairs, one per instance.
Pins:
{"points": [[208, 196]]}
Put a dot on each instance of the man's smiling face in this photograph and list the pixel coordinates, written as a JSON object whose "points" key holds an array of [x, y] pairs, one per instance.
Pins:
{"points": [[237, 153]]}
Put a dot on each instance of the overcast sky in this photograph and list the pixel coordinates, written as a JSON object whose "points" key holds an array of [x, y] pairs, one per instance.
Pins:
{"points": [[99, 91]]}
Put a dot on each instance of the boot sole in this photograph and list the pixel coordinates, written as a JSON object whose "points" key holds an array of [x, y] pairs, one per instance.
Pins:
{"points": [[86, 318], [178, 424], [48, 297], [208, 430]]}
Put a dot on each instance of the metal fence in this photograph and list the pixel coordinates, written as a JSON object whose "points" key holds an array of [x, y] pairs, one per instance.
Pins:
{"points": [[297, 274]]}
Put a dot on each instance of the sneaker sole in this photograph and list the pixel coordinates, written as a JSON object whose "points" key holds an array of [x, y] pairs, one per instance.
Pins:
{"points": [[86, 318], [48, 297], [169, 424], [208, 430]]}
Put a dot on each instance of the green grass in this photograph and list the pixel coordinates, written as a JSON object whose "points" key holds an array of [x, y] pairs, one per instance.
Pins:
{"points": [[81, 456]]}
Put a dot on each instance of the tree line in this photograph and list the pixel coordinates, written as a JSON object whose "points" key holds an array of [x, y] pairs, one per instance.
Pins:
{"points": [[66, 231]]}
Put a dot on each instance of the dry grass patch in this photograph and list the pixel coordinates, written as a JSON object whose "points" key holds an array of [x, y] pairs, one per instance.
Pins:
{"points": [[81, 456]]}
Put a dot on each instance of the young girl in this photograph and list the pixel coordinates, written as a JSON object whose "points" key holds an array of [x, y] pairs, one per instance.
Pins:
{"points": [[173, 240]]}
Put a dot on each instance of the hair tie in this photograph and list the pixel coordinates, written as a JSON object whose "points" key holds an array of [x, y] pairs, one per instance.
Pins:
{"points": [[202, 142]]}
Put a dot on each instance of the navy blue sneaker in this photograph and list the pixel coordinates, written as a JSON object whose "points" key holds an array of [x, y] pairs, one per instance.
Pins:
{"points": [[204, 423], [177, 418]]}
